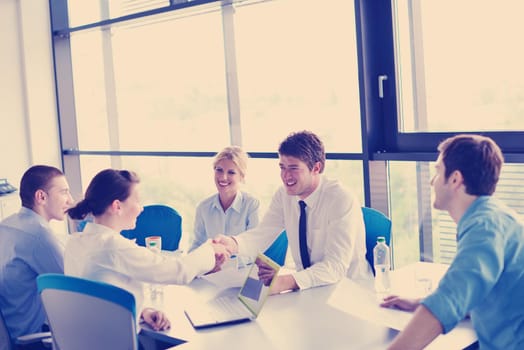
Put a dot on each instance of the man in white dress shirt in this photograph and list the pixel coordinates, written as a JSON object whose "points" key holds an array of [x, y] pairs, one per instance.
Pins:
{"points": [[335, 234]]}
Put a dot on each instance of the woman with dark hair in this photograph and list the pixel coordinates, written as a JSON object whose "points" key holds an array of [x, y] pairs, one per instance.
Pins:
{"points": [[101, 253]]}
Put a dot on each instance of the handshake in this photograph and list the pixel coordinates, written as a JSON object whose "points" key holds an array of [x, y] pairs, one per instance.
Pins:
{"points": [[224, 247]]}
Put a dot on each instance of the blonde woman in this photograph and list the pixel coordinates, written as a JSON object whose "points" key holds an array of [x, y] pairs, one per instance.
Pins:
{"points": [[229, 211]]}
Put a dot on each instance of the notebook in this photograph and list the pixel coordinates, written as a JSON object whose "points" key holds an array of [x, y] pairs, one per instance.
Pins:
{"points": [[240, 308]]}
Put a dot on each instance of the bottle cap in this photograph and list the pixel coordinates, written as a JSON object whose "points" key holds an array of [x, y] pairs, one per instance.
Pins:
{"points": [[381, 239]]}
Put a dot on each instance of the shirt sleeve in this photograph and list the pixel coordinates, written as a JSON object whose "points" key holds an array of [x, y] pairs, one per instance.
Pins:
{"points": [[144, 265], [251, 241], [341, 229], [471, 276], [48, 254]]}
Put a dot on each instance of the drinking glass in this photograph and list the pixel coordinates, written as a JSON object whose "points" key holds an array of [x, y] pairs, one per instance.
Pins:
{"points": [[154, 243], [423, 281]]}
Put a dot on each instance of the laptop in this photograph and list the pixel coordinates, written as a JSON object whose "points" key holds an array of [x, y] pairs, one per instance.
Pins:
{"points": [[243, 307]]}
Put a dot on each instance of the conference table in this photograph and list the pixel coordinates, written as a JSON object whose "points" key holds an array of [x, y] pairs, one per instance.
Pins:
{"points": [[345, 315]]}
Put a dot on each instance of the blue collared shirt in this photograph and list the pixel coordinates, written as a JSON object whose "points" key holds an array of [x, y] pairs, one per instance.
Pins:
{"points": [[27, 248], [211, 220], [486, 278]]}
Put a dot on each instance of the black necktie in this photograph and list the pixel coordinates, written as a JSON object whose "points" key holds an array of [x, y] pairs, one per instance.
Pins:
{"points": [[302, 229]]}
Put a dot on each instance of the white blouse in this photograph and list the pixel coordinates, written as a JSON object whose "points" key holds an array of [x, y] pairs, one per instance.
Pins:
{"points": [[102, 254]]}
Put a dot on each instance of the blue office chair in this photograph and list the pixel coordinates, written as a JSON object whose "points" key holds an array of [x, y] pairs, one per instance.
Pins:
{"points": [[157, 220], [278, 249], [24, 341], [81, 224], [86, 315], [377, 224]]}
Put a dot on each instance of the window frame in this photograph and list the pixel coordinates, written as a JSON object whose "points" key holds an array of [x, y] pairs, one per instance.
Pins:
{"points": [[380, 136]]}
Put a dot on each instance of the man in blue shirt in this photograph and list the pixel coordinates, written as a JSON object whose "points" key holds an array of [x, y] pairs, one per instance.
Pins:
{"points": [[486, 278], [29, 248]]}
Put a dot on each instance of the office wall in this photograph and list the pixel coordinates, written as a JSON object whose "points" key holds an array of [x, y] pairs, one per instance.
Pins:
{"points": [[28, 117], [14, 154]]}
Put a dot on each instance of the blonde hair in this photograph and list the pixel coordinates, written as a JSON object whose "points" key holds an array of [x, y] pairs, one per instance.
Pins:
{"points": [[234, 154]]}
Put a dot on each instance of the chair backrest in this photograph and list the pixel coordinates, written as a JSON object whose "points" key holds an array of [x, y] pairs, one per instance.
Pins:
{"points": [[157, 220], [278, 249], [81, 224], [377, 224], [5, 339], [85, 314]]}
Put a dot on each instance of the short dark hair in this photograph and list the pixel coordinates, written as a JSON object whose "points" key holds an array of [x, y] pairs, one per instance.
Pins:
{"points": [[108, 185], [37, 177], [305, 146], [478, 158]]}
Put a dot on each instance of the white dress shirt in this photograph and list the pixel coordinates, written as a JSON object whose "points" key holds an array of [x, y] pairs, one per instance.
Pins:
{"points": [[102, 254], [336, 237]]}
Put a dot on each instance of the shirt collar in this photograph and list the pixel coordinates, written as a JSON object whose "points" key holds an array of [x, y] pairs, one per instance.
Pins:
{"points": [[34, 215], [91, 227], [471, 210], [236, 205], [312, 199]]}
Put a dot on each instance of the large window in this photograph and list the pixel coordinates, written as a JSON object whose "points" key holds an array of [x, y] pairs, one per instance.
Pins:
{"points": [[161, 93], [460, 65], [299, 72], [160, 86], [135, 93], [454, 72]]}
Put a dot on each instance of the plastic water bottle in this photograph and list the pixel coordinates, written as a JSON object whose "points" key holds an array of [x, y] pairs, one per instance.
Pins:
{"points": [[382, 264]]}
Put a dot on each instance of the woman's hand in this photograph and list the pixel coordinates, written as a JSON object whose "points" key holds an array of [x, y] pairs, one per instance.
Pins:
{"points": [[155, 319], [228, 242], [221, 256]]}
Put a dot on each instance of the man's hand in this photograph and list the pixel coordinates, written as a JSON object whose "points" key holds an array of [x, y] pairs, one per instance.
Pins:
{"points": [[265, 272], [228, 242], [400, 303], [284, 283], [221, 256], [155, 319]]}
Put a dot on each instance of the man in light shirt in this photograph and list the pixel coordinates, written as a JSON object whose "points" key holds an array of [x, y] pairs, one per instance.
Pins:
{"points": [[28, 247], [486, 277], [335, 235]]}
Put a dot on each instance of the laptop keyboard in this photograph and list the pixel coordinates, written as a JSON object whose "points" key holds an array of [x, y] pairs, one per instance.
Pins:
{"points": [[227, 307]]}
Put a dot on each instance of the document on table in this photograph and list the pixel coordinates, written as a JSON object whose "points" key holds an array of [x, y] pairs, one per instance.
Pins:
{"points": [[362, 302]]}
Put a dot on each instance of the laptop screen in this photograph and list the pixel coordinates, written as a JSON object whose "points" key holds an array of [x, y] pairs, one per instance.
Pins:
{"points": [[258, 283]]}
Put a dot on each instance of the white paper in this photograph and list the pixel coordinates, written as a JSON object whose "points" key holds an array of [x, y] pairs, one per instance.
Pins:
{"points": [[363, 303]]}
